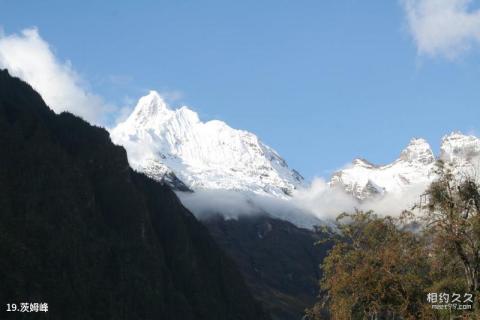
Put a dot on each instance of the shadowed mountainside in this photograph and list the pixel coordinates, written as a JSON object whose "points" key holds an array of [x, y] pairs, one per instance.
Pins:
{"points": [[80, 230], [278, 260]]}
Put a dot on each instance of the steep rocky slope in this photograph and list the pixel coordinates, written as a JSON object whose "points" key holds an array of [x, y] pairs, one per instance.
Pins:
{"points": [[80, 230]]}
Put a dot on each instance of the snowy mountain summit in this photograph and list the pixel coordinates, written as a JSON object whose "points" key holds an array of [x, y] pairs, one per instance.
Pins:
{"points": [[461, 150], [176, 147], [415, 167]]}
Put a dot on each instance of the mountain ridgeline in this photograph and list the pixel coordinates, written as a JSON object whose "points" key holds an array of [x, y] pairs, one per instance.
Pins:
{"points": [[83, 232], [414, 168]]}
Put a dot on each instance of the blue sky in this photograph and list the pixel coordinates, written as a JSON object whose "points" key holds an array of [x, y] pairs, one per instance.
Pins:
{"points": [[322, 82]]}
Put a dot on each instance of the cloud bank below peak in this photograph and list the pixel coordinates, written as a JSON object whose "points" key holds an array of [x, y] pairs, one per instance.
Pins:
{"points": [[28, 56], [316, 204], [443, 28]]}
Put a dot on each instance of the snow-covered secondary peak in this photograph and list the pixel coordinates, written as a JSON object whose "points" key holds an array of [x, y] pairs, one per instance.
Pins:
{"points": [[176, 146], [365, 180], [414, 167], [418, 150], [459, 148]]}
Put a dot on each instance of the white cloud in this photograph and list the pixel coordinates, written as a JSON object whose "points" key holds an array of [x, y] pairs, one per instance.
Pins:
{"points": [[327, 202], [318, 203], [443, 27], [394, 203], [324, 201], [232, 204], [29, 57]]}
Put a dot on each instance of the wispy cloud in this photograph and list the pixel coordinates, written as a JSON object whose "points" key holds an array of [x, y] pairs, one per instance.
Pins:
{"points": [[445, 28], [316, 204], [323, 201], [326, 202], [29, 57], [232, 204]]}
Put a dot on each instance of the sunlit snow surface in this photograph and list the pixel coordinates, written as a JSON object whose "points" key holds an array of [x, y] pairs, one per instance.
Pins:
{"points": [[233, 173], [415, 166], [204, 155]]}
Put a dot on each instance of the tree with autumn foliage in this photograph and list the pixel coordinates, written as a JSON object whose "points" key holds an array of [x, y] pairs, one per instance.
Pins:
{"points": [[384, 267], [452, 219], [378, 269]]}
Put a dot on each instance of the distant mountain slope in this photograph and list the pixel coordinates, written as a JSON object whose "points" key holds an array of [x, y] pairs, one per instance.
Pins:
{"points": [[175, 146], [279, 260], [80, 230], [415, 166]]}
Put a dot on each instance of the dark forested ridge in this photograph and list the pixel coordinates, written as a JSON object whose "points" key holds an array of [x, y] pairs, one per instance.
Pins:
{"points": [[279, 261], [95, 240]]}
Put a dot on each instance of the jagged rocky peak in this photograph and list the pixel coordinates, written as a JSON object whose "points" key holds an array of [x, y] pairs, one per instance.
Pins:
{"points": [[204, 155], [457, 147], [418, 150]]}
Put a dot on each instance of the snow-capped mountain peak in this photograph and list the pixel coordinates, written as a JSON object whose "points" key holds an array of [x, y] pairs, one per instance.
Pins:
{"points": [[364, 180], [418, 150], [457, 147], [149, 109], [414, 167], [170, 144]]}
